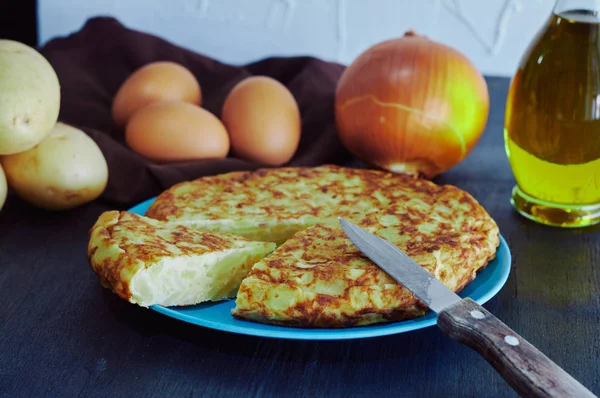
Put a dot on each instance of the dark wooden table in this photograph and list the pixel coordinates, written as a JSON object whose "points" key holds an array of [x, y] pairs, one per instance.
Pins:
{"points": [[61, 334]]}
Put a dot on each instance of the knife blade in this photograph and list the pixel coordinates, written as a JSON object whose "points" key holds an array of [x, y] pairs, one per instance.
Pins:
{"points": [[527, 370], [401, 267]]}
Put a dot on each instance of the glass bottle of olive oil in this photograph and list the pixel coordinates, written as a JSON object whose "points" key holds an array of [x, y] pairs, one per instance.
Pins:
{"points": [[552, 121]]}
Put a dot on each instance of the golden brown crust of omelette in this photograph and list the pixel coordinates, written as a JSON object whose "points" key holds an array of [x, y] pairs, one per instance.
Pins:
{"points": [[122, 243], [442, 227]]}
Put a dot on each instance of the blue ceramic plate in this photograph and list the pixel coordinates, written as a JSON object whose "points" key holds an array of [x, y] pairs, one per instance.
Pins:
{"points": [[218, 315]]}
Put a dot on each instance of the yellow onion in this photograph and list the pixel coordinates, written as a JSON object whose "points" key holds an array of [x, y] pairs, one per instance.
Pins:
{"points": [[411, 105]]}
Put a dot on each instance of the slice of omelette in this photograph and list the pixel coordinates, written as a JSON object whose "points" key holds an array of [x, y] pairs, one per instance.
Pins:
{"points": [[148, 262], [318, 278], [274, 204]]}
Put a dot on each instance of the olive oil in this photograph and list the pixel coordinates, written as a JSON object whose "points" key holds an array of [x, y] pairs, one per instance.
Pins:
{"points": [[552, 122]]}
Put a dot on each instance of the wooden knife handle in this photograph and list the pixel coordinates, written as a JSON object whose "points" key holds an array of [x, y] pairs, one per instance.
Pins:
{"points": [[529, 372]]}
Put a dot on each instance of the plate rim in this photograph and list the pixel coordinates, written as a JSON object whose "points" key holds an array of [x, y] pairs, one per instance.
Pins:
{"points": [[376, 330]]}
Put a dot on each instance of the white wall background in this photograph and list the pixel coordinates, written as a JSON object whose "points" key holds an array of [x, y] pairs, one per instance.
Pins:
{"points": [[492, 33]]}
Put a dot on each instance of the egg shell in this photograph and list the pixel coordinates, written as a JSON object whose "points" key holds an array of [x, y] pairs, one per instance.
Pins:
{"points": [[263, 121], [157, 81], [176, 131]]}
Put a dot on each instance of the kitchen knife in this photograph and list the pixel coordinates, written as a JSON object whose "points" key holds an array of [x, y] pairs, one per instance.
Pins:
{"points": [[529, 372]]}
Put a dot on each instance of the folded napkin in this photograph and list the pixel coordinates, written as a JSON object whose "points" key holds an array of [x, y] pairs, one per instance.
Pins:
{"points": [[92, 64]]}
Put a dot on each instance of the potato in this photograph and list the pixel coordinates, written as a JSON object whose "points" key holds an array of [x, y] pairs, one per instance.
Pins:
{"points": [[29, 97], [3, 188], [63, 171]]}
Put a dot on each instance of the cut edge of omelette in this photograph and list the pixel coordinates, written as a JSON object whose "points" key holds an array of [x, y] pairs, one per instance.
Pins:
{"points": [[277, 231], [169, 279]]}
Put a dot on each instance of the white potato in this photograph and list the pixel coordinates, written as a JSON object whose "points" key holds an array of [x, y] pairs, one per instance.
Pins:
{"points": [[29, 97], [3, 188], [63, 171]]}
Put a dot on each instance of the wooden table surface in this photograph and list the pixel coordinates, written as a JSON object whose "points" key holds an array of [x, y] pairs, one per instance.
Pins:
{"points": [[62, 334]]}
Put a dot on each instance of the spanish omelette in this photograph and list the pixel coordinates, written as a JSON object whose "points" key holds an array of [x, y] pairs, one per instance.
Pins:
{"points": [[316, 277], [148, 262]]}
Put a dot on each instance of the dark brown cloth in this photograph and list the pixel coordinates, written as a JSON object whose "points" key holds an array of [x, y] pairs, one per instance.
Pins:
{"points": [[92, 64]]}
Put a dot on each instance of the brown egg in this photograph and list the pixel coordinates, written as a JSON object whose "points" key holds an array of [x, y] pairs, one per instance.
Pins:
{"points": [[176, 131], [263, 121], [157, 81]]}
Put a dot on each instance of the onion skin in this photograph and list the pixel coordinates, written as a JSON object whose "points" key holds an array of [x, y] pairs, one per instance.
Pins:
{"points": [[411, 105]]}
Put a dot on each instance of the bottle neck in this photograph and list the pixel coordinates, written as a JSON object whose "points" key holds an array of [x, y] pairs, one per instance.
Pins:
{"points": [[591, 6]]}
